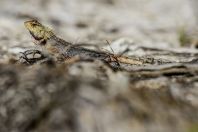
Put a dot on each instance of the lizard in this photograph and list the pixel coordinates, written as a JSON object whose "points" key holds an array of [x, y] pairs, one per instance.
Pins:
{"points": [[59, 48]]}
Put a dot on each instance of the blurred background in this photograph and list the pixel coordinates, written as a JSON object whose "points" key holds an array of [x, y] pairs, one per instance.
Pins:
{"points": [[149, 22], [94, 97]]}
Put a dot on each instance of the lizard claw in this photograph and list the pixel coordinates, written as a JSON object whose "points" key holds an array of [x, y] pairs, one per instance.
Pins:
{"points": [[28, 57]]}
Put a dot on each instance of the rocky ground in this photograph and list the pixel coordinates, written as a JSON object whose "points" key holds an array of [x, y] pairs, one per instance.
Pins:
{"points": [[159, 96]]}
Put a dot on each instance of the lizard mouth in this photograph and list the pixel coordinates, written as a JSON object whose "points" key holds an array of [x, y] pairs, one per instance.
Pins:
{"points": [[34, 36]]}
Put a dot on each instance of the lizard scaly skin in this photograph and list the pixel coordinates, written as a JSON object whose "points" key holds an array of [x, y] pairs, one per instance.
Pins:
{"points": [[59, 47], [44, 37]]}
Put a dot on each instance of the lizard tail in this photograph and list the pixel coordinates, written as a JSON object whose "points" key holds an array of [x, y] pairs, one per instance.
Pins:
{"points": [[127, 60]]}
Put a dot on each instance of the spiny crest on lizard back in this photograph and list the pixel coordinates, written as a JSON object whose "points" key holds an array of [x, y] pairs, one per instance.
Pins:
{"points": [[38, 31]]}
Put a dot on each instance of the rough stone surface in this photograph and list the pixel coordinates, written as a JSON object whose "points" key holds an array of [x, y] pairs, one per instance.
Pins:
{"points": [[161, 96]]}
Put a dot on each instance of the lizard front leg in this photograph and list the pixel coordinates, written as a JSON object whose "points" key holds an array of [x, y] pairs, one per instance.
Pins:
{"points": [[28, 57]]}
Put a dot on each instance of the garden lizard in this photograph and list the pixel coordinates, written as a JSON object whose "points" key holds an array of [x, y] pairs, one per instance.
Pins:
{"points": [[60, 48]]}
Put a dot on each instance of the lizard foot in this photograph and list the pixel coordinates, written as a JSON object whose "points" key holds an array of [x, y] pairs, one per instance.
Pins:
{"points": [[30, 57]]}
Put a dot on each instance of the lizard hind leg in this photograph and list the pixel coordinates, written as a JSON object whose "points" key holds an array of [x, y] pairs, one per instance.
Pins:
{"points": [[114, 65], [113, 62]]}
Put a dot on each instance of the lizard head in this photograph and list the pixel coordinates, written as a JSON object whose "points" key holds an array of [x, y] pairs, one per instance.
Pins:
{"points": [[38, 31]]}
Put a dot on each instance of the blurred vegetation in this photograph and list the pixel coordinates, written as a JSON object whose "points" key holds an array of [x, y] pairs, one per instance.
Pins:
{"points": [[183, 37], [193, 128], [188, 38]]}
